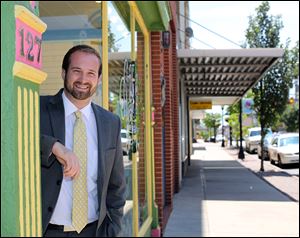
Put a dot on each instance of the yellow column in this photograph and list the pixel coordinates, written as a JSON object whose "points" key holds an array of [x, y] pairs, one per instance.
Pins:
{"points": [[135, 221], [104, 55], [148, 155]]}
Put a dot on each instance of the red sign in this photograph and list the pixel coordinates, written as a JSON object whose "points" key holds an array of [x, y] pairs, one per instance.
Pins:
{"points": [[28, 45]]}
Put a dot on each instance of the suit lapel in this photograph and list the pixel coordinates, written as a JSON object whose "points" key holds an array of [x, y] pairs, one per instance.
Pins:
{"points": [[101, 161], [57, 116]]}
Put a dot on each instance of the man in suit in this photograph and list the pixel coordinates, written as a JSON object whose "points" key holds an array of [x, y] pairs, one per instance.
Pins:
{"points": [[106, 187]]}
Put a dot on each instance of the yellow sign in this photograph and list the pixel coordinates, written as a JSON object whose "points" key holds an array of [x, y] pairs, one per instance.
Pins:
{"points": [[200, 105]]}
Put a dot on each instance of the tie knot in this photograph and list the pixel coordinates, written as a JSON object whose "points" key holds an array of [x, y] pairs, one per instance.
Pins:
{"points": [[78, 114]]}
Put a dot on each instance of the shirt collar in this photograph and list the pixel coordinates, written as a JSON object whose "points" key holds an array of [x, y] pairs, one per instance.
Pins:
{"points": [[70, 108]]}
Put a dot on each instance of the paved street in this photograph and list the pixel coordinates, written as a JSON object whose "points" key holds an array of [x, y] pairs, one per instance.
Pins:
{"points": [[222, 196]]}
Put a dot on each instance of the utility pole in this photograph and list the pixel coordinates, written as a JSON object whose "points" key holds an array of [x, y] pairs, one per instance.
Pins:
{"points": [[262, 125], [222, 128], [241, 152]]}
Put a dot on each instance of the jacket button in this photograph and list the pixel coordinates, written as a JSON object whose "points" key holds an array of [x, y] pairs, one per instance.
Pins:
{"points": [[58, 182], [50, 209]]}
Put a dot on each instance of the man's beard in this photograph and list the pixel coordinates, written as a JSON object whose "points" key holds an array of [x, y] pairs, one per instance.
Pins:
{"points": [[79, 94]]}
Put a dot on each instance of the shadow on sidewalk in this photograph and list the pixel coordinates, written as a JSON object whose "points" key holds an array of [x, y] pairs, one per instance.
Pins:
{"points": [[274, 173], [231, 181]]}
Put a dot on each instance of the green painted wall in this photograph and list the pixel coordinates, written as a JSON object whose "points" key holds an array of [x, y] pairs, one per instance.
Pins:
{"points": [[10, 196], [9, 172]]}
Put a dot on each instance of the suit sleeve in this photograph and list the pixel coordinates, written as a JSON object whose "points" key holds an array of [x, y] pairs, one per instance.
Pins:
{"points": [[47, 157], [116, 194]]}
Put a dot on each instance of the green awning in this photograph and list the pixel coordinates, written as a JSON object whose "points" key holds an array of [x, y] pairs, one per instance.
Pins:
{"points": [[156, 14]]}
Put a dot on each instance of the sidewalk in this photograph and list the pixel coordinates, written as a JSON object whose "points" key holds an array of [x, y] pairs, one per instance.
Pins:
{"points": [[277, 177], [221, 197]]}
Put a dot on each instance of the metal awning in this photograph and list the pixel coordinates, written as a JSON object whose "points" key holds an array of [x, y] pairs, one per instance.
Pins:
{"points": [[116, 69], [223, 76]]}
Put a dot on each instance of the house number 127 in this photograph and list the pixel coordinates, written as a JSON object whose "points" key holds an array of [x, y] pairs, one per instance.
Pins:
{"points": [[28, 45]]}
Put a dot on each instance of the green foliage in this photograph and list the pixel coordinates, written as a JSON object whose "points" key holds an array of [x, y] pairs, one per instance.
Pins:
{"points": [[204, 135], [233, 121], [212, 121], [271, 93], [290, 118], [294, 58], [111, 40], [263, 30]]}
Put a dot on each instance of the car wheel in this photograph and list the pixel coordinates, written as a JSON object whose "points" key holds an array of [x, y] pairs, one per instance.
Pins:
{"points": [[280, 162], [272, 161]]}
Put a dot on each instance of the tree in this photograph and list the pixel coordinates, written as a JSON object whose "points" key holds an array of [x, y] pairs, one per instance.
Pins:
{"points": [[212, 121], [233, 121], [271, 93], [111, 40], [294, 56], [290, 118]]}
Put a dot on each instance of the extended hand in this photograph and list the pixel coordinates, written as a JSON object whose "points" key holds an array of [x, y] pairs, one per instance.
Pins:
{"points": [[68, 159]]}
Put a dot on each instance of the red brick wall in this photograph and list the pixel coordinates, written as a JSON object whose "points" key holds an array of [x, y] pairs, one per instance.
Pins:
{"points": [[157, 65], [175, 111], [141, 122], [168, 126], [163, 62]]}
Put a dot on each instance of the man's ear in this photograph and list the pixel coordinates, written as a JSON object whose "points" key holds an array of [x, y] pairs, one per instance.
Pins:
{"points": [[99, 79], [63, 74]]}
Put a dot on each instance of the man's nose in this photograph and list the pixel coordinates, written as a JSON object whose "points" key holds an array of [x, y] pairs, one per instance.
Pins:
{"points": [[84, 77]]}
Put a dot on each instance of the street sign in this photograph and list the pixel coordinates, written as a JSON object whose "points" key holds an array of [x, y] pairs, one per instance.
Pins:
{"points": [[247, 104], [200, 105]]}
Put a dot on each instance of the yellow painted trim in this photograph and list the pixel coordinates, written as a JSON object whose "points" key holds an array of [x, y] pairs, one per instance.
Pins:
{"points": [[145, 227], [152, 161], [104, 56], [132, 31], [139, 18], [135, 209], [38, 164], [29, 18], [20, 163], [26, 164], [31, 166], [148, 118], [148, 124], [28, 72]]}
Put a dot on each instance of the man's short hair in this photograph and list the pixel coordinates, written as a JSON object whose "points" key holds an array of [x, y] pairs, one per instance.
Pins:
{"points": [[82, 48]]}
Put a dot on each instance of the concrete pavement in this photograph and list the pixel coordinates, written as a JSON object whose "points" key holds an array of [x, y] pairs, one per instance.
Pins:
{"points": [[221, 197], [286, 183]]}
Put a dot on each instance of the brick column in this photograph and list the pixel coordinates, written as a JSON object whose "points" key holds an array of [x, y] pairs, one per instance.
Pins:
{"points": [[141, 120], [168, 126], [175, 111], [157, 68]]}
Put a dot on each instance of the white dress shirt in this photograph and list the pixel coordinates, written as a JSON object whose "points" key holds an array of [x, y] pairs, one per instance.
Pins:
{"points": [[62, 214]]}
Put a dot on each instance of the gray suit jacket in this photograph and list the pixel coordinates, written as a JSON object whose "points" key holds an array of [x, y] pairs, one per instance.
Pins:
{"points": [[111, 181]]}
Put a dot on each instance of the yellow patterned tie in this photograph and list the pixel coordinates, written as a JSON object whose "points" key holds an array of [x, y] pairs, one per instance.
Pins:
{"points": [[80, 195]]}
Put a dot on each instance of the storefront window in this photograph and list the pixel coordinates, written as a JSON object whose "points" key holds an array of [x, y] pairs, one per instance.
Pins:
{"points": [[69, 23]]}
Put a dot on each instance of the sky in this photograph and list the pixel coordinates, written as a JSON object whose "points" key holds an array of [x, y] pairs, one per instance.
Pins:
{"points": [[230, 19], [226, 18]]}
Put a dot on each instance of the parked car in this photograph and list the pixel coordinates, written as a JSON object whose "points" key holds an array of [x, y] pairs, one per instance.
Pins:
{"points": [[125, 140], [219, 137], [267, 141], [253, 138], [284, 149]]}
